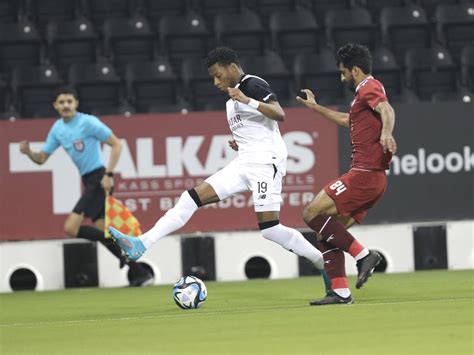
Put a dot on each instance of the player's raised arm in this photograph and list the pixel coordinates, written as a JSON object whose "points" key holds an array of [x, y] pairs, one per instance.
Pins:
{"points": [[339, 118], [37, 157], [387, 115], [271, 109]]}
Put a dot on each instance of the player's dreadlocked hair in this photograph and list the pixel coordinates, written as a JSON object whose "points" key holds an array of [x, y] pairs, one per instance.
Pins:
{"points": [[355, 55], [222, 55]]}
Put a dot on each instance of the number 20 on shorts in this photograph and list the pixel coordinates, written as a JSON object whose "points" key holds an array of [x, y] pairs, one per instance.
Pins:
{"points": [[339, 187]]}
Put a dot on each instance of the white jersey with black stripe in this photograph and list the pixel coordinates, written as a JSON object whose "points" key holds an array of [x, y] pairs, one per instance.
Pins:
{"points": [[258, 136]]}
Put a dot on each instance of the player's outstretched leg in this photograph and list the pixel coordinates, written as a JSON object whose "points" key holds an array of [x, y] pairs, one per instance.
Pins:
{"points": [[366, 266], [132, 246], [332, 298]]}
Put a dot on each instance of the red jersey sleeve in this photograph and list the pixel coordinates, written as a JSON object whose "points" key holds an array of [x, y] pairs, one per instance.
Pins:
{"points": [[372, 93]]}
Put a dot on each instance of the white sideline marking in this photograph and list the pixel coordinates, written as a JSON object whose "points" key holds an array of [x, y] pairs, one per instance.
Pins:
{"points": [[194, 314]]}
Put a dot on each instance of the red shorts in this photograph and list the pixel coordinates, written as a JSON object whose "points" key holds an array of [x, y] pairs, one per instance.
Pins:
{"points": [[356, 191]]}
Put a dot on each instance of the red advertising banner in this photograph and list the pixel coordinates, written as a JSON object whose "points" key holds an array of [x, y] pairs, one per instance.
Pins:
{"points": [[162, 156]]}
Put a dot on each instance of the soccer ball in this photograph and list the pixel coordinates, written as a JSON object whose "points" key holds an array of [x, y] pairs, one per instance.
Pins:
{"points": [[189, 292]]}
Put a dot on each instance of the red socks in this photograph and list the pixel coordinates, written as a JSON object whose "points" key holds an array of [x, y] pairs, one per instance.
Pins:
{"points": [[336, 234], [334, 264]]}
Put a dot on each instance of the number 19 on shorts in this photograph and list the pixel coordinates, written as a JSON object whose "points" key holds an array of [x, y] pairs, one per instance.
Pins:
{"points": [[339, 187]]}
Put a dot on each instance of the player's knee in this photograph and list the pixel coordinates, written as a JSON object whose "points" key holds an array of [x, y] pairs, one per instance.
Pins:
{"points": [[71, 229], [267, 229], [309, 212]]}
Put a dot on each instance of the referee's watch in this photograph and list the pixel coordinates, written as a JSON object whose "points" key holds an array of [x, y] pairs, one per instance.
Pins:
{"points": [[109, 174]]}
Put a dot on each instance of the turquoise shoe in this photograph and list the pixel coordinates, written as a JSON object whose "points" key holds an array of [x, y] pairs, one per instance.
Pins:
{"points": [[132, 246]]}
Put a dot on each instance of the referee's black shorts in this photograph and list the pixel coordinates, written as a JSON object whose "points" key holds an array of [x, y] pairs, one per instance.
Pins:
{"points": [[92, 201]]}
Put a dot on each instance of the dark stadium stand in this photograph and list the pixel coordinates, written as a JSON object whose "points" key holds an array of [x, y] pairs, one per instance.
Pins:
{"points": [[98, 86], [387, 70], [404, 28], [151, 84], [9, 11], [33, 88], [295, 32], [184, 36], [429, 70], [319, 73], [157, 9], [44, 11], [350, 26], [241, 31], [127, 40], [100, 10], [71, 42], [467, 67], [20, 45], [304, 33], [455, 26], [272, 68]]}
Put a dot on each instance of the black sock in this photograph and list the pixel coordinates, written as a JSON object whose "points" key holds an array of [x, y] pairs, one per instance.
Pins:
{"points": [[96, 235], [91, 233]]}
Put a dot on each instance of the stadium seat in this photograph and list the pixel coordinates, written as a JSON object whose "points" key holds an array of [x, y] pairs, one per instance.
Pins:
{"points": [[34, 89], [295, 32], [10, 115], [198, 85], [20, 45], [241, 31], [44, 11], [10, 10], [99, 10], [461, 96], [211, 8], [467, 67], [97, 85], [350, 26], [124, 109], [455, 26], [151, 83], [375, 6], [430, 5], [318, 72], [4, 95], [71, 42], [128, 40], [386, 69], [265, 8], [184, 37], [404, 28], [154, 10], [181, 106], [272, 69], [429, 70], [320, 7]]}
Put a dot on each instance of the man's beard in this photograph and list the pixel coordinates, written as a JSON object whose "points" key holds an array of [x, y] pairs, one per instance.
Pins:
{"points": [[351, 85]]}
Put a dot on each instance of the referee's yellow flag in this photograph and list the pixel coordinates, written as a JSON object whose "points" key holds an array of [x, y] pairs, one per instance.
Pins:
{"points": [[120, 217]]}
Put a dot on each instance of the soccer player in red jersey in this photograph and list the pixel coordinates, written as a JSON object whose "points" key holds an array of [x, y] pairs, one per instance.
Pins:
{"points": [[346, 200]]}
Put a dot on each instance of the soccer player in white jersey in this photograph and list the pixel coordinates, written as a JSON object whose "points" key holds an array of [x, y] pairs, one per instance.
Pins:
{"points": [[253, 113]]}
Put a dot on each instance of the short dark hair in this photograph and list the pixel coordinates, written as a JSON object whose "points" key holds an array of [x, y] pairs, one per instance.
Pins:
{"points": [[221, 55], [355, 55], [68, 90]]}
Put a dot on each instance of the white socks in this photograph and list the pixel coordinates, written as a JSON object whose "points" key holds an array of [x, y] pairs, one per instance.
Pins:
{"points": [[292, 240], [343, 292], [173, 220], [362, 254]]}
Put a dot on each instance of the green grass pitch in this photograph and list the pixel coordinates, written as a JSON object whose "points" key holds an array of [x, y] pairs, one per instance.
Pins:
{"points": [[418, 313]]}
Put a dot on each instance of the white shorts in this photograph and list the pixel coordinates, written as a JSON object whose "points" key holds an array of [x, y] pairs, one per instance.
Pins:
{"points": [[264, 180]]}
